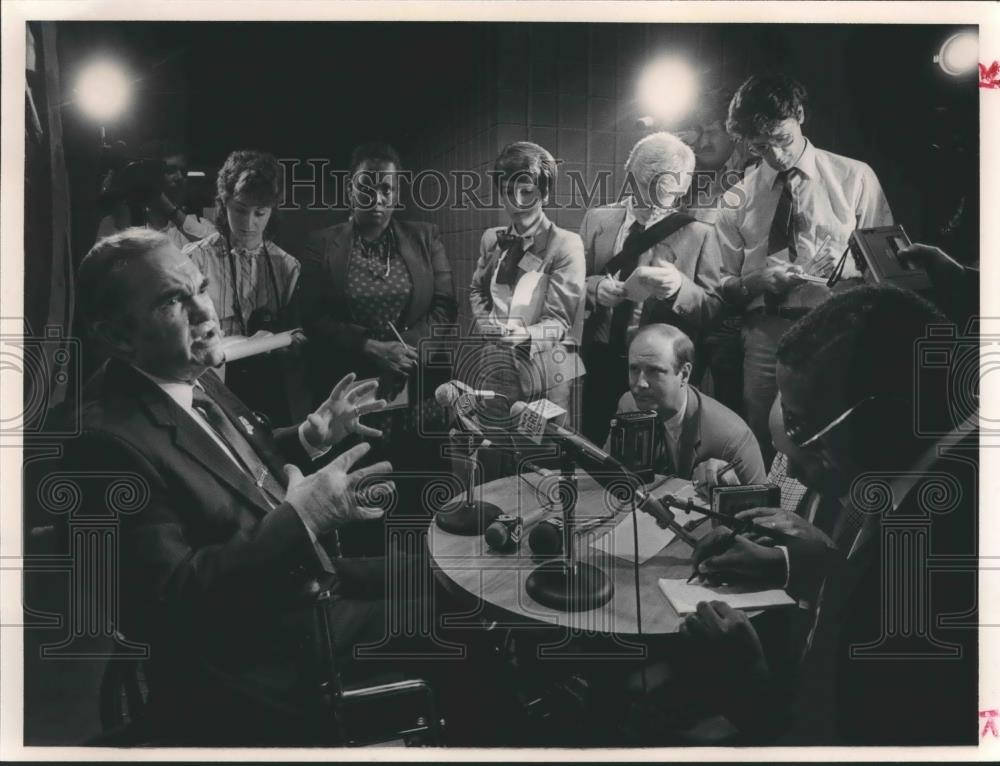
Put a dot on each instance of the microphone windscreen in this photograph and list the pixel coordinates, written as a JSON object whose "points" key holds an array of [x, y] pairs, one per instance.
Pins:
{"points": [[546, 539], [497, 535], [446, 394], [517, 408]]}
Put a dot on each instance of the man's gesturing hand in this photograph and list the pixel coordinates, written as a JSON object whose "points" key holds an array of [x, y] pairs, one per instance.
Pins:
{"points": [[338, 415], [326, 499]]}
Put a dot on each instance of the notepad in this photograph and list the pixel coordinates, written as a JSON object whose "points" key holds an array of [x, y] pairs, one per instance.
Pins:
{"points": [[620, 542], [684, 597]]}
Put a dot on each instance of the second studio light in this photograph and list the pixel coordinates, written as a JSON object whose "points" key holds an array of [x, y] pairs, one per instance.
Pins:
{"points": [[959, 54], [668, 90]]}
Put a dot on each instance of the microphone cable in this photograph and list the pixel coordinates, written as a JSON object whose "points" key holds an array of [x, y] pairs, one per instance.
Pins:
{"points": [[635, 572]]}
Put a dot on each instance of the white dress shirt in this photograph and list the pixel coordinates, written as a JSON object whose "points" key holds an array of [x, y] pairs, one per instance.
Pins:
{"points": [[833, 196]]}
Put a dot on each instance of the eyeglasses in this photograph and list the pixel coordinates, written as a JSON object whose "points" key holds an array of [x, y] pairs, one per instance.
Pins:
{"points": [[795, 433], [758, 148]]}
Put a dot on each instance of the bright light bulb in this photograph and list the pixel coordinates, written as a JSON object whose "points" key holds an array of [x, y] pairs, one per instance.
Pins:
{"points": [[103, 91], [959, 54], [668, 89]]}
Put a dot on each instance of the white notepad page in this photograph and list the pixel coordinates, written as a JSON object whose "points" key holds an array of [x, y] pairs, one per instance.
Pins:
{"points": [[684, 597]]}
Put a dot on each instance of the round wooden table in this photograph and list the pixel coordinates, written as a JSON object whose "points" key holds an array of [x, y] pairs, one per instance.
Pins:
{"points": [[466, 564]]}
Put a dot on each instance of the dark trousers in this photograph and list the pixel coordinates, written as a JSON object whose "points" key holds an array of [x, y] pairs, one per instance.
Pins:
{"points": [[605, 382]]}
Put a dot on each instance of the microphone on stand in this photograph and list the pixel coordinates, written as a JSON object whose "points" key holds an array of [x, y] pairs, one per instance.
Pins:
{"points": [[546, 538], [465, 515], [532, 422]]}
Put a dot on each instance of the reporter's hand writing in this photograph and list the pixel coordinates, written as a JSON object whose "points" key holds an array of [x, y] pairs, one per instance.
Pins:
{"points": [[777, 279], [823, 263], [668, 281], [392, 356], [326, 499], [722, 557], [610, 292]]}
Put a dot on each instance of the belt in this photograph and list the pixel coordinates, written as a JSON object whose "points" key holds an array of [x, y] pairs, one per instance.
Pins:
{"points": [[785, 312]]}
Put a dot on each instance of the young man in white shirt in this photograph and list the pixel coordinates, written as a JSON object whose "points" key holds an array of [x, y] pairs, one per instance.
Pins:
{"points": [[791, 216]]}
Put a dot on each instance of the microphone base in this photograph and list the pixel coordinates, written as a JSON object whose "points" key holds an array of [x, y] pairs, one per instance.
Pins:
{"points": [[463, 518], [575, 588]]}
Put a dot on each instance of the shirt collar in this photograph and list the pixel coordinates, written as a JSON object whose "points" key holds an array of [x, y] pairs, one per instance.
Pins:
{"points": [[657, 215], [536, 237], [179, 391], [248, 252], [806, 164], [674, 422]]}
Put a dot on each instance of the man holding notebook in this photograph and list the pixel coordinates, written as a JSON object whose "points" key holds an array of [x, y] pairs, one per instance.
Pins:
{"points": [[884, 657], [646, 262]]}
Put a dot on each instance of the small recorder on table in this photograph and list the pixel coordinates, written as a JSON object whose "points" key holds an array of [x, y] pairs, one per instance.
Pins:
{"points": [[633, 442]]}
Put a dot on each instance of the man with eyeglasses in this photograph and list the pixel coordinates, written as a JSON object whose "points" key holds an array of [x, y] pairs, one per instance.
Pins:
{"points": [[851, 388], [794, 216]]}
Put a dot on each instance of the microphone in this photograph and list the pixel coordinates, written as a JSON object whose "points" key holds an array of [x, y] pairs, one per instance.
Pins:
{"points": [[546, 538], [464, 399], [504, 533], [532, 421]]}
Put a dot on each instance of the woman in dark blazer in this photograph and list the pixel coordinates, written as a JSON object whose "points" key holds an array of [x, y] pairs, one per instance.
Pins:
{"points": [[366, 280], [364, 277]]}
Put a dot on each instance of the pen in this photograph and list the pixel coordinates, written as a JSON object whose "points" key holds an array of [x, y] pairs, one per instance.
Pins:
{"points": [[396, 333], [725, 543]]}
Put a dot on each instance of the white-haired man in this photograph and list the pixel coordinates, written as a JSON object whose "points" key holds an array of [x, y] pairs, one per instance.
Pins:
{"points": [[643, 229]]}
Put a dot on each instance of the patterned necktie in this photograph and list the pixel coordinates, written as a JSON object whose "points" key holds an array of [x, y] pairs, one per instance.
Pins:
{"points": [[621, 315], [782, 234], [513, 247], [239, 446]]}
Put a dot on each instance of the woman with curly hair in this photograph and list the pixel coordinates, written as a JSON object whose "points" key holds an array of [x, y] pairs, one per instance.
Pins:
{"points": [[251, 279]]}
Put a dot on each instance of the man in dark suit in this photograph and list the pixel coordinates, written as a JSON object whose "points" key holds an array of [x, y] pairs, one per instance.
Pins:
{"points": [[697, 435], [230, 536], [686, 255], [888, 653]]}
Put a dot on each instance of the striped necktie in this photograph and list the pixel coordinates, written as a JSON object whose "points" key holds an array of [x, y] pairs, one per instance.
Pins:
{"points": [[782, 233]]}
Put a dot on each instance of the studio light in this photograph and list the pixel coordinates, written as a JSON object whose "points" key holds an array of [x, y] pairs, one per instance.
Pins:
{"points": [[668, 90], [959, 54], [103, 91]]}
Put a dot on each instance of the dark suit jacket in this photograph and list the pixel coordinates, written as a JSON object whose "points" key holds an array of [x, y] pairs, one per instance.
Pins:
{"points": [[711, 430], [886, 667], [693, 249], [325, 305], [207, 568]]}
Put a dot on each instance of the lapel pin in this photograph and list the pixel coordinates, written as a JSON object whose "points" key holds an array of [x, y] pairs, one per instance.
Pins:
{"points": [[246, 425]]}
